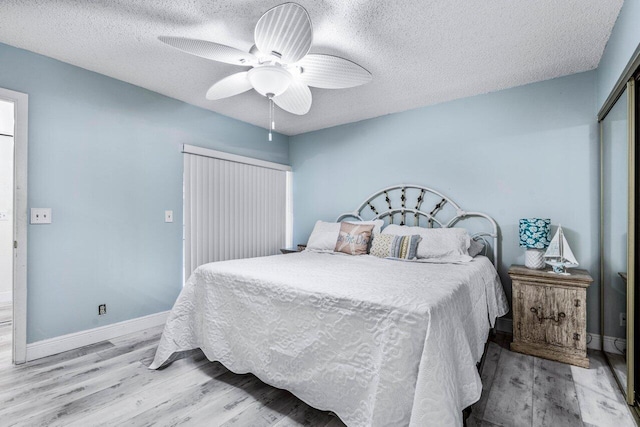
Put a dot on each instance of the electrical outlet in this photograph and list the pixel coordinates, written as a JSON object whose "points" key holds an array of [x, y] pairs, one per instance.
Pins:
{"points": [[168, 216], [102, 309], [623, 319], [40, 215]]}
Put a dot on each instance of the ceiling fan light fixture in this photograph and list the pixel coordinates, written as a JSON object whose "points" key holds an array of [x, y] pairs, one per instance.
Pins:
{"points": [[270, 80]]}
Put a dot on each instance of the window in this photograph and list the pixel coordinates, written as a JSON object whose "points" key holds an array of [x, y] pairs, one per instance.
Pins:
{"points": [[234, 207]]}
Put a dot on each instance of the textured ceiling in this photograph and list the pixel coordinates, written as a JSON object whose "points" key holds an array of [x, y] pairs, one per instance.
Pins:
{"points": [[420, 52]]}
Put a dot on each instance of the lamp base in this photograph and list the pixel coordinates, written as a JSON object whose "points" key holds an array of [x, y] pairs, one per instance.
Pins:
{"points": [[534, 259]]}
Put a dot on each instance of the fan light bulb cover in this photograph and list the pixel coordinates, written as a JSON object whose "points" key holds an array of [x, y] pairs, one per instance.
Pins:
{"points": [[270, 79]]}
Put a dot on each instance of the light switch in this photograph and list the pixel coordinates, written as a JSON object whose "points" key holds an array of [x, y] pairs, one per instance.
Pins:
{"points": [[40, 215], [168, 216]]}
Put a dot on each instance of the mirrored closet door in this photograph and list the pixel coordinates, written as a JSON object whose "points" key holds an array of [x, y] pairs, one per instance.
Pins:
{"points": [[615, 219], [618, 237]]}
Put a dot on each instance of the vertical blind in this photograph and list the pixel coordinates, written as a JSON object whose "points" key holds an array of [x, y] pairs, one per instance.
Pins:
{"points": [[232, 209]]}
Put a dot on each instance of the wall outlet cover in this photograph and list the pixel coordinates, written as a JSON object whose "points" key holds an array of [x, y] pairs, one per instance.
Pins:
{"points": [[40, 215], [168, 216], [102, 309]]}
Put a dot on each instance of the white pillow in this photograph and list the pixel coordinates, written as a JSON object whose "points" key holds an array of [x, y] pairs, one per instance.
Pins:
{"points": [[323, 237], [441, 243], [475, 248], [325, 234]]}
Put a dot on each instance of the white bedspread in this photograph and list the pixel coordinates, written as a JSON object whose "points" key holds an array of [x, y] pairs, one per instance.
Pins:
{"points": [[378, 342]]}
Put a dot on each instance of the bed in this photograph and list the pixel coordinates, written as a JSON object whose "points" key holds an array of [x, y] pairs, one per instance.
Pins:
{"points": [[379, 342]]}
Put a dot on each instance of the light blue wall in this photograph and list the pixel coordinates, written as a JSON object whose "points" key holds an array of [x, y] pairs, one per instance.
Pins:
{"points": [[522, 152], [105, 156], [624, 40]]}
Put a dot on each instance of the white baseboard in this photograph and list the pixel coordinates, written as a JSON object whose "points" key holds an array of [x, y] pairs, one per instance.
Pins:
{"points": [[611, 344], [6, 297], [75, 340]]}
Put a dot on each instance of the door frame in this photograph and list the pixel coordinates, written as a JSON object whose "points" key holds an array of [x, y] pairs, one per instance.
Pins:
{"points": [[20, 150]]}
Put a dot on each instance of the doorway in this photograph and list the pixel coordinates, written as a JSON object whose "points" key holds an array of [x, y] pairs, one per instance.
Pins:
{"points": [[7, 131], [14, 145]]}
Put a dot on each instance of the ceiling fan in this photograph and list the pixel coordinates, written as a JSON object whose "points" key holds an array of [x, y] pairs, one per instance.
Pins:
{"points": [[282, 69]]}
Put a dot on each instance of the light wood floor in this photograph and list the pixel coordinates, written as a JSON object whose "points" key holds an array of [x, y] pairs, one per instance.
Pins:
{"points": [[521, 390], [109, 384]]}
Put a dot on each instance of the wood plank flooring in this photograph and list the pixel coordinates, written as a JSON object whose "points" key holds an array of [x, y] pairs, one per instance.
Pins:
{"points": [[108, 384], [521, 390]]}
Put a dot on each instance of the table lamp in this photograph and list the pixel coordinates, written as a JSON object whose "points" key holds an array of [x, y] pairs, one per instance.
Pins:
{"points": [[534, 235]]}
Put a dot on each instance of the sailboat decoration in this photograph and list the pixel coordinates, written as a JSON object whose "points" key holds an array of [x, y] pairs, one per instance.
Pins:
{"points": [[559, 254]]}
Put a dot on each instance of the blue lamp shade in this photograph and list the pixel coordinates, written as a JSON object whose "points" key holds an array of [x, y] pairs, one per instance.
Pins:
{"points": [[534, 233]]}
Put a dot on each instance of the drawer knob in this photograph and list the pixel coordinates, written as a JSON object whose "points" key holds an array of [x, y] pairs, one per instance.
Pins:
{"points": [[541, 317]]}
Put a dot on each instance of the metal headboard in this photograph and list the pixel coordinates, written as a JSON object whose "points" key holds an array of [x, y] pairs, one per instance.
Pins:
{"points": [[402, 204]]}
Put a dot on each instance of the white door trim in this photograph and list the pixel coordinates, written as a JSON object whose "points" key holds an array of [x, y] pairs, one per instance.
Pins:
{"points": [[20, 144]]}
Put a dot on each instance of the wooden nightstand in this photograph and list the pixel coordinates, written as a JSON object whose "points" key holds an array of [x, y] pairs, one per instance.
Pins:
{"points": [[299, 248], [549, 314]]}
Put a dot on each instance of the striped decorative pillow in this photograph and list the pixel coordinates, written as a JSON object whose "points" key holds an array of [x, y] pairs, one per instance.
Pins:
{"points": [[391, 246]]}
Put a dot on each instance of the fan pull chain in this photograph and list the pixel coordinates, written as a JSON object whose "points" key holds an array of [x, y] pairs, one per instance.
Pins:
{"points": [[272, 120]]}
